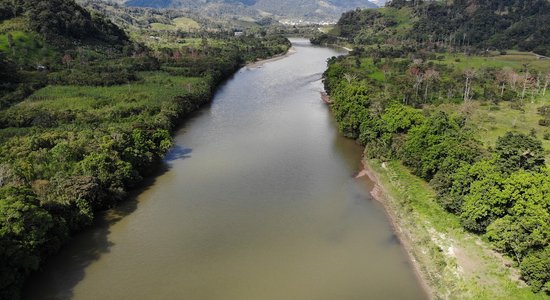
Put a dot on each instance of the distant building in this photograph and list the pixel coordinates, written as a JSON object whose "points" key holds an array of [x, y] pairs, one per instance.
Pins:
{"points": [[239, 33]]}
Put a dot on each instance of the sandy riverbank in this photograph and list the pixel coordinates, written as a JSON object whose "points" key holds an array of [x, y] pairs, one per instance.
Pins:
{"points": [[260, 63], [382, 196]]}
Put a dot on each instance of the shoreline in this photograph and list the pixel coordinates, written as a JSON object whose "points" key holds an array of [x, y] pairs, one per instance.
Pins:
{"points": [[382, 196], [261, 62], [102, 215], [448, 261]]}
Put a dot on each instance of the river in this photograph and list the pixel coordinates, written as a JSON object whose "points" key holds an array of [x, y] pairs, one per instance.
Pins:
{"points": [[257, 200]]}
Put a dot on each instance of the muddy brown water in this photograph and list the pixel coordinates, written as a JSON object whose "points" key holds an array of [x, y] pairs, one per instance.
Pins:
{"points": [[257, 201]]}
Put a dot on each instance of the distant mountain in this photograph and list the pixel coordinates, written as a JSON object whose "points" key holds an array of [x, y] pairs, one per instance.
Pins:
{"points": [[293, 10], [380, 3], [311, 9]]}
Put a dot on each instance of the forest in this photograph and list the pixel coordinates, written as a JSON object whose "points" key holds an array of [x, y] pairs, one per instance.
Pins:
{"points": [[471, 122], [87, 112], [471, 26]]}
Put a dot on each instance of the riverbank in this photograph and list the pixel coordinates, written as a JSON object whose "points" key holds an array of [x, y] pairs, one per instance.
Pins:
{"points": [[279, 219], [379, 193], [450, 262], [65, 190], [259, 63]]}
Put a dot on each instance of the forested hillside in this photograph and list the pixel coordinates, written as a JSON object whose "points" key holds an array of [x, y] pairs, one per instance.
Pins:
{"points": [[463, 24], [425, 87], [35, 34], [306, 10], [86, 113]]}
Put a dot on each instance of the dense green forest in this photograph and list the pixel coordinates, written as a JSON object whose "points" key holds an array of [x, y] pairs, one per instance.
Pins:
{"points": [[86, 113], [474, 26], [475, 126]]}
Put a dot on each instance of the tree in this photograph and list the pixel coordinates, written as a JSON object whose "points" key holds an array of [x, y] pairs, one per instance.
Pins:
{"points": [[546, 81], [11, 44], [400, 118], [469, 75], [177, 55], [519, 151], [501, 79], [15, 7], [439, 142], [452, 198], [527, 223], [67, 59], [484, 203], [418, 75], [24, 230], [534, 269], [429, 76], [350, 103]]}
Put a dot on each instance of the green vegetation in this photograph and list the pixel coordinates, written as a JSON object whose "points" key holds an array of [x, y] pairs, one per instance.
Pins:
{"points": [[263, 10], [186, 23], [86, 113], [181, 23], [470, 26], [456, 263], [469, 125]]}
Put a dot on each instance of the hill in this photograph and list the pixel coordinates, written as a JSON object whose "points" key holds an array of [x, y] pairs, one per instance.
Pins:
{"points": [[465, 24], [35, 35], [304, 10]]}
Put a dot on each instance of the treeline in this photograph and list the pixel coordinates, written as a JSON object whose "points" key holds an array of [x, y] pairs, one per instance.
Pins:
{"points": [[62, 161], [463, 25], [412, 60], [103, 123], [59, 42], [419, 77], [500, 192]]}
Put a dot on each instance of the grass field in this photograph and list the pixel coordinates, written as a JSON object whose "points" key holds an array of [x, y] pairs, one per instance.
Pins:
{"points": [[182, 23], [105, 106], [513, 59], [401, 16], [154, 89], [186, 23], [457, 264], [161, 26], [26, 47], [490, 121]]}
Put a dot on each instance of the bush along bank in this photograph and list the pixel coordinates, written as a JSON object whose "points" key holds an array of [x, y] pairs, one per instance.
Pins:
{"points": [[498, 192]]}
